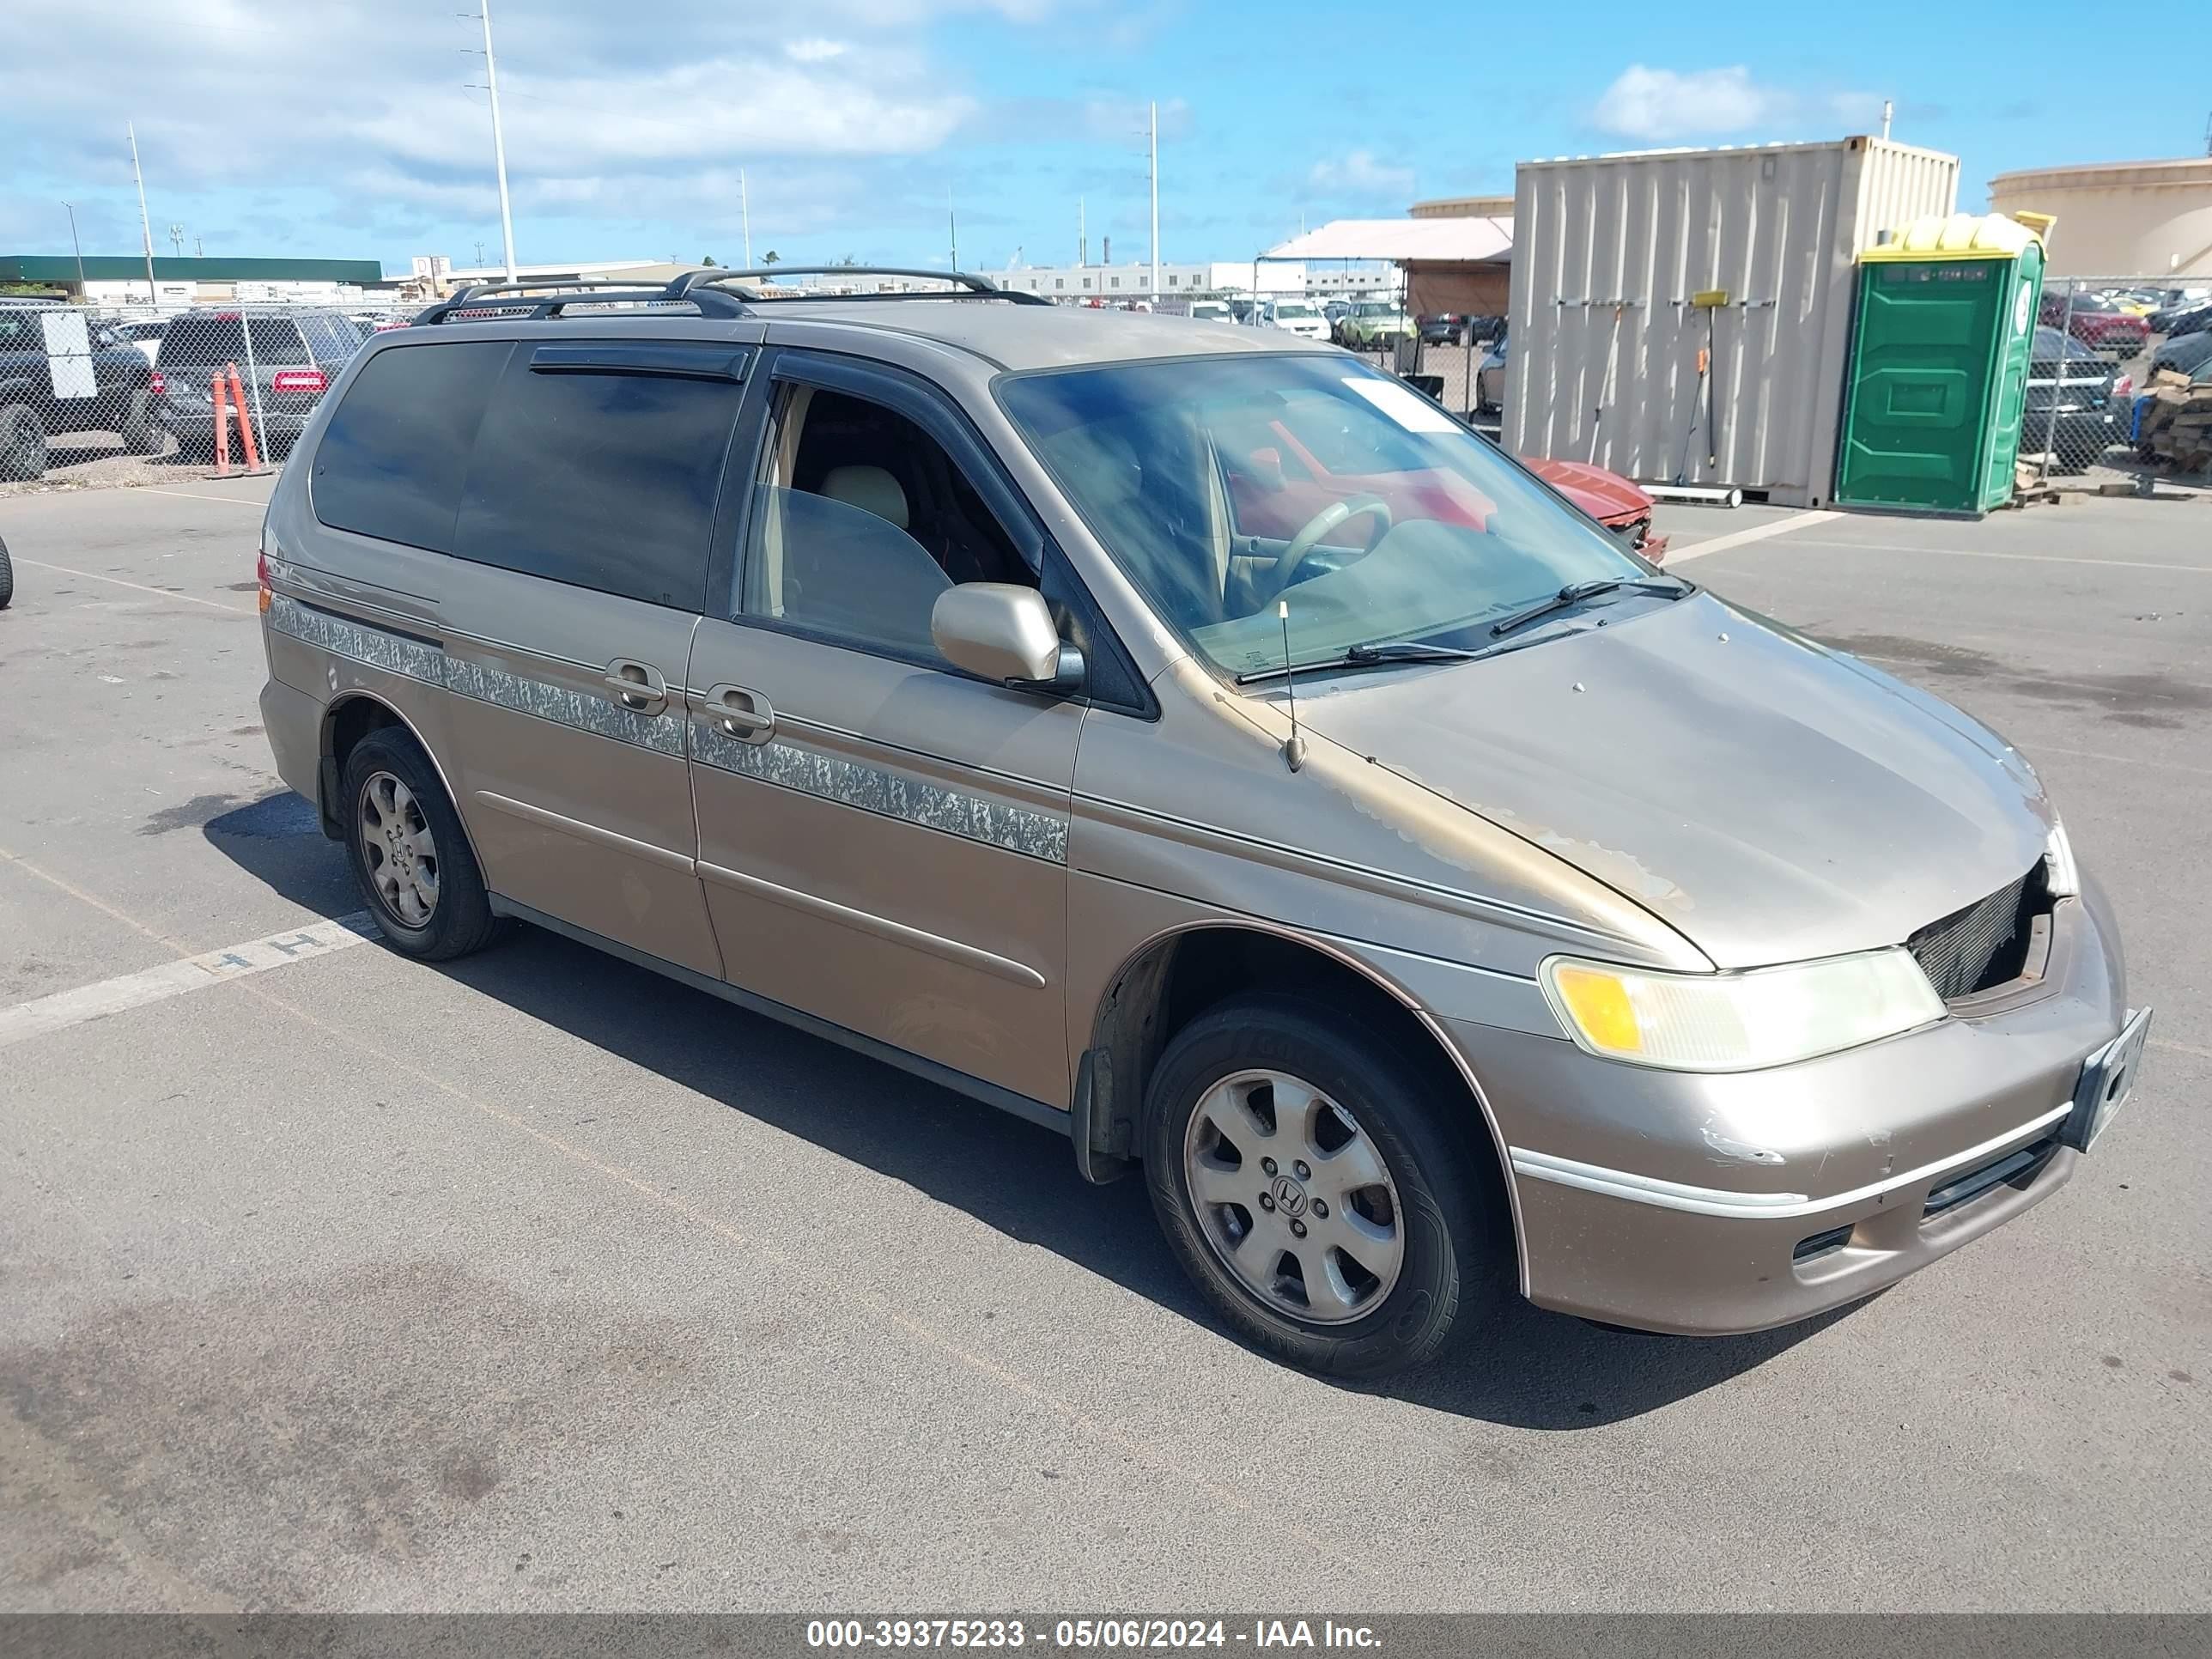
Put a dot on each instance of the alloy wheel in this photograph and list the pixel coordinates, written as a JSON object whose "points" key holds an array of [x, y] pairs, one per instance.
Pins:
{"points": [[1294, 1197], [398, 849]]}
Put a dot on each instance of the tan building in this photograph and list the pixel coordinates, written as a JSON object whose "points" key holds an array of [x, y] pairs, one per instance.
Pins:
{"points": [[1465, 207], [2119, 219]]}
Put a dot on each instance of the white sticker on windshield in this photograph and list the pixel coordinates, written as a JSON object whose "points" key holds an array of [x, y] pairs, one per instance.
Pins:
{"points": [[1406, 407]]}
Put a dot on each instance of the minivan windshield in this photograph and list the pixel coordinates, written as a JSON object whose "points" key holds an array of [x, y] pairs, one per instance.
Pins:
{"points": [[1220, 485], [1293, 308]]}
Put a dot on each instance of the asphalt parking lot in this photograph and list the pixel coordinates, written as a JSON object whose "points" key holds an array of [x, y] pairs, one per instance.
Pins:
{"points": [[540, 1282]]}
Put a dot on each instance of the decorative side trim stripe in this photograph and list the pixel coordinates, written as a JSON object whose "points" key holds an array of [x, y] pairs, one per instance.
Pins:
{"points": [[953, 950], [1024, 830], [418, 660], [1716, 1201], [889, 794]]}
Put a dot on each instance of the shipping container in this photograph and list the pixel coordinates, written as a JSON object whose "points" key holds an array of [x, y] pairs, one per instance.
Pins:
{"points": [[1631, 271]]}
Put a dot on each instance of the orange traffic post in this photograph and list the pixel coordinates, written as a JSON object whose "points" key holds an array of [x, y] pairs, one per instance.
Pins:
{"points": [[245, 422], [219, 393]]}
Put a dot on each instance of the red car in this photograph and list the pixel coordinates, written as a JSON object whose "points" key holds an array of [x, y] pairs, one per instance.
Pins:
{"points": [[1282, 484], [1610, 499], [2094, 320]]}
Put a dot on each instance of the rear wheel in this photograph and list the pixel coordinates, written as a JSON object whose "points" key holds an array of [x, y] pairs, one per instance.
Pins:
{"points": [[409, 853], [22, 445], [1307, 1178], [7, 577], [142, 432]]}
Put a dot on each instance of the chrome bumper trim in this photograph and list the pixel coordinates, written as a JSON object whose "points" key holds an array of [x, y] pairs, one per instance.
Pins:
{"points": [[1717, 1201]]}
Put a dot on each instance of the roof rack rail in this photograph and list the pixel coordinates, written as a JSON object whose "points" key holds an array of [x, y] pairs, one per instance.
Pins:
{"points": [[542, 298], [690, 284]]}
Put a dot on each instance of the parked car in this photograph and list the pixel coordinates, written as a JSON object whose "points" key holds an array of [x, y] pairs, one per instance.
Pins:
{"points": [[2071, 394], [1334, 312], [63, 374], [2184, 320], [2186, 312], [145, 334], [1372, 324], [1620, 506], [1585, 935], [1211, 310], [1489, 377], [291, 356], [1299, 317], [2184, 353], [1442, 328], [2094, 320]]}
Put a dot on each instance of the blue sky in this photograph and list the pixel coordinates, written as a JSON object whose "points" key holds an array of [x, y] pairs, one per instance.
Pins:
{"points": [[359, 128]]}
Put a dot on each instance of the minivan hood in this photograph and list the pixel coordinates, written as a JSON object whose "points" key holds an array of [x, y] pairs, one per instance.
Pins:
{"points": [[1771, 799]]}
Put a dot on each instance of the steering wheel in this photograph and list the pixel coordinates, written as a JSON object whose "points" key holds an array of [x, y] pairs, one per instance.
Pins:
{"points": [[1318, 526]]}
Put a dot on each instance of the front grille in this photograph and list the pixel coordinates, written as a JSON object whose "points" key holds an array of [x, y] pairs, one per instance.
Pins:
{"points": [[1986, 942]]}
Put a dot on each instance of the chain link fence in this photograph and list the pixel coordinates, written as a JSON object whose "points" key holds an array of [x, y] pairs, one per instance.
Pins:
{"points": [[2121, 383], [107, 395]]}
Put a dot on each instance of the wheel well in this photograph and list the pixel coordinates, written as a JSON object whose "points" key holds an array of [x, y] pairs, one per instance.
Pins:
{"points": [[1178, 978], [345, 723]]}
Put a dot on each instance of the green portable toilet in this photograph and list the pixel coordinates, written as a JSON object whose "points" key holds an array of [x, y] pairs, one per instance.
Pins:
{"points": [[1938, 373]]}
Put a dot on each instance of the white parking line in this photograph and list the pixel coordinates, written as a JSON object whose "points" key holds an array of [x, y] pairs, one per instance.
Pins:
{"points": [[1758, 532], [63, 1009], [1986, 553], [162, 592], [195, 496]]}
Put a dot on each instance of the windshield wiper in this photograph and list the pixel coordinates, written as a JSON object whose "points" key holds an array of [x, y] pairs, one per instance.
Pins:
{"points": [[1575, 592], [1365, 656]]}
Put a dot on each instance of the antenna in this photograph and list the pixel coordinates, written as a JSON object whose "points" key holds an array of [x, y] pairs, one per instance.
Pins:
{"points": [[1294, 751]]}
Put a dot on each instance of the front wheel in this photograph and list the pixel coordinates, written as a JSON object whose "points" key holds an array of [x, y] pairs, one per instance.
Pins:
{"points": [[7, 577], [1309, 1181]]}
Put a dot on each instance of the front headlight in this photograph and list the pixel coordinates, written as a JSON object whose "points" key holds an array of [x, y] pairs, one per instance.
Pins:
{"points": [[1739, 1022], [2059, 875]]}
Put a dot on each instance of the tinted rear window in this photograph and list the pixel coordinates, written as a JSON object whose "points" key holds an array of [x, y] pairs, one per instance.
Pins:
{"points": [[394, 457], [334, 338], [603, 478], [203, 341]]}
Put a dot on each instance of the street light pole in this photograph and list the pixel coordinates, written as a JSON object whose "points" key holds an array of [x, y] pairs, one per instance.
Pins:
{"points": [[77, 248], [498, 140], [145, 224], [1156, 203]]}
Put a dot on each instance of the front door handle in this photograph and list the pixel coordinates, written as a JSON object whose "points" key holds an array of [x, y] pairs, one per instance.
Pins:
{"points": [[743, 714], [637, 686]]}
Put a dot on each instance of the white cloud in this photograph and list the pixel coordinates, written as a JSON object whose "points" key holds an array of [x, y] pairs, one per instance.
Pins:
{"points": [[1658, 105], [1359, 173], [814, 50]]}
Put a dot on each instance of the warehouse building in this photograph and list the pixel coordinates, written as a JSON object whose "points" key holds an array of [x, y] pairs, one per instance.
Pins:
{"points": [[121, 280]]}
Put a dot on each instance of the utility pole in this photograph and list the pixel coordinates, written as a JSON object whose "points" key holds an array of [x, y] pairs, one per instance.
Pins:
{"points": [[498, 140], [1888, 108], [77, 247], [1082, 235], [145, 224], [745, 209], [177, 239], [1156, 203], [952, 224]]}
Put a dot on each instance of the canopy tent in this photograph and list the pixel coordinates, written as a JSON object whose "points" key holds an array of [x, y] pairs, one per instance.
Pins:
{"points": [[1451, 264]]}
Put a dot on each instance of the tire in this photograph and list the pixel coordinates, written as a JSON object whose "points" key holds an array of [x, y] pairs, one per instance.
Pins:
{"points": [[22, 445], [389, 784], [7, 577], [141, 433], [1402, 1306]]}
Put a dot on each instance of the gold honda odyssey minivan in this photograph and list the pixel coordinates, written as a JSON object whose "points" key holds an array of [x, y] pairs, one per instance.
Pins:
{"points": [[1191, 739]]}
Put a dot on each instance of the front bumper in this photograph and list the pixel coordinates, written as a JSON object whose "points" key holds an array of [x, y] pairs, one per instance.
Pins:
{"points": [[1711, 1205]]}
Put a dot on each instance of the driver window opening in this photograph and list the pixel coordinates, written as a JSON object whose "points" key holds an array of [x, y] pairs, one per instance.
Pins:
{"points": [[861, 520]]}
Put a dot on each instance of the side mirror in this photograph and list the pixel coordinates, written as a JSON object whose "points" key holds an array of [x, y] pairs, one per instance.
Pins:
{"points": [[1004, 632]]}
